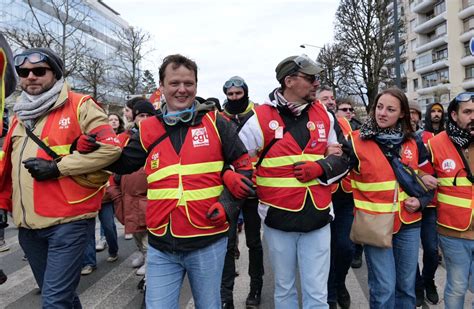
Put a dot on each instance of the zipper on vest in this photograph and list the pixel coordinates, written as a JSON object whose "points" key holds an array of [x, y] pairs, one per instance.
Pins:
{"points": [[19, 187]]}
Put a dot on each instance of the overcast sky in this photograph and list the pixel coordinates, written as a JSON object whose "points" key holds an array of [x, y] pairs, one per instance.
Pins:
{"points": [[246, 38]]}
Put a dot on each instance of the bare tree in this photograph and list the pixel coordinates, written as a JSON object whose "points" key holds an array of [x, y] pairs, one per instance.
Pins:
{"points": [[93, 73], [131, 52], [62, 33], [335, 65], [364, 32]]}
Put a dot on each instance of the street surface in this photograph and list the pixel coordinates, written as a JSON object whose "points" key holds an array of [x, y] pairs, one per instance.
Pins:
{"points": [[114, 285]]}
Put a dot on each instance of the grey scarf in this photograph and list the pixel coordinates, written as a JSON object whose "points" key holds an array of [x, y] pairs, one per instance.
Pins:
{"points": [[29, 107]]}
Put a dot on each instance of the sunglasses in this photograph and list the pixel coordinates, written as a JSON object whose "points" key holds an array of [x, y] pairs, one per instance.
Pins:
{"points": [[233, 83], [38, 72], [309, 78], [346, 109], [33, 58], [465, 96]]}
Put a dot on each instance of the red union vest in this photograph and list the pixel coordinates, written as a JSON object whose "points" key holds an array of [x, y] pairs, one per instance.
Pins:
{"points": [[276, 183], [374, 185], [455, 191], [182, 187], [62, 197]]}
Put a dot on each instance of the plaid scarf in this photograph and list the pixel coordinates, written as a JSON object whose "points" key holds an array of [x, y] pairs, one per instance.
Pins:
{"points": [[294, 108]]}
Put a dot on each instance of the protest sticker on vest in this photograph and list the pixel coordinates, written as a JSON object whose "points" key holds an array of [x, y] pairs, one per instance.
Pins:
{"points": [[155, 161], [448, 165], [321, 131], [200, 137]]}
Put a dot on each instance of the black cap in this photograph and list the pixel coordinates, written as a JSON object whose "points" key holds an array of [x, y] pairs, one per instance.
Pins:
{"points": [[143, 106], [52, 59]]}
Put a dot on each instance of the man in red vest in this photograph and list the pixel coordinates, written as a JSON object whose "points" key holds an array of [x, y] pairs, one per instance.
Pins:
{"points": [[42, 154], [189, 152], [453, 160], [291, 135]]}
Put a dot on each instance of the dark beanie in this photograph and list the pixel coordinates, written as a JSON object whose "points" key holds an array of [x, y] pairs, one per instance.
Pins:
{"points": [[143, 106], [52, 59]]}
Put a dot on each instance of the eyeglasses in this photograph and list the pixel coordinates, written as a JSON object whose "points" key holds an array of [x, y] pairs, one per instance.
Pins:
{"points": [[465, 96], [346, 109], [309, 78], [233, 83], [38, 72], [33, 58]]}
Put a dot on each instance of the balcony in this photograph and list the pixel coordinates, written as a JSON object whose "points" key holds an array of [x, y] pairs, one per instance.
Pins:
{"points": [[441, 40], [428, 25], [423, 6], [438, 88], [468, 83], [466, 36], [434, 66], [468, 60], [466, 12]]}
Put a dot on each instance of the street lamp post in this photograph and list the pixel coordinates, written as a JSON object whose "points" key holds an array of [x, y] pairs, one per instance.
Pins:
{"points": [[310, 45]]}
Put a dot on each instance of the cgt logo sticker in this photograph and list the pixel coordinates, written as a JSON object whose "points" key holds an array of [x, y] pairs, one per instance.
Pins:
{"points": [[200, 137]]}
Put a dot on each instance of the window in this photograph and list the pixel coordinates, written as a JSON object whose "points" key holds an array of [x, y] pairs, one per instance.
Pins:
{"points": [[441, 29], [412, 44], [470, 72], [413, 65], [415, 84], [440, 8], [468, 24], [440, 53]]}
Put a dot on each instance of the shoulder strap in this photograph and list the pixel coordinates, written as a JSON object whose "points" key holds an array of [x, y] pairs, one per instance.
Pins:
{"points": [[242, 123], [42, 145], [158, 140]]}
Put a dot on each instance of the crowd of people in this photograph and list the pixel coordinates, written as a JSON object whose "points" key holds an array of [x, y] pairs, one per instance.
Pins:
{"points": [[322, 185]]}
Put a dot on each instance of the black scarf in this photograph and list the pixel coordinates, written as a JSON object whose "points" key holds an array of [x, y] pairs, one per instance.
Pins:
{"points": [[460, 137], [235, 107]]}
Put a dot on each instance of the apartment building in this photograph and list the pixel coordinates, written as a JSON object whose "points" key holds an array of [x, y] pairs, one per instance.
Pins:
{"points": [[435, 57]]}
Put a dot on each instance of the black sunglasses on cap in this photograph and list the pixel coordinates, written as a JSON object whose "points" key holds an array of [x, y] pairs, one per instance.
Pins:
{"points": [[38, 72]]}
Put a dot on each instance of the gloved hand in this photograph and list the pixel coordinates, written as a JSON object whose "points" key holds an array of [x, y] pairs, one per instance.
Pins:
{"points": [[3, 219], [85, 143], [216, 214], [240, 186], [41, 169], [307, 170]]}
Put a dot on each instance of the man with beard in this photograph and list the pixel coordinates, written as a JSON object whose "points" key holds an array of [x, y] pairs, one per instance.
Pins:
{"points": [[429, 235], [43, 152], [434, 118], [453, 160], [291, 136], [238, 108]]}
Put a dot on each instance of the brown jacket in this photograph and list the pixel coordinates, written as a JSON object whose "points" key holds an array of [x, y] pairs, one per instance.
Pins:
{"points": [[90, 117]]}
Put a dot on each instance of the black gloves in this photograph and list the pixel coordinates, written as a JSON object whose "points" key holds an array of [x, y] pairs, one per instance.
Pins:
{"points": [[3, 219], [41, 169]]}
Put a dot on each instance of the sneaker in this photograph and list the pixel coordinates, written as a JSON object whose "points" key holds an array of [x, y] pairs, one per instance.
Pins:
{"points": [[431, 292], [4, 246], [101, 244], [332, 305], [343, 297], [128, 236], [112, 258], [420, 297], [142, 285], [253, 299], [138, 261], [227, 305], [87, 270], [357, 261], [142, 270], [3, 277]]}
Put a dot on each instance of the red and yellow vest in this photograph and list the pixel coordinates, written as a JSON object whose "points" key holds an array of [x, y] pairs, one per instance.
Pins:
{"points": [[374, 182], [62, 197], [345, 182], [276, 183], [455, 191], [182, 187]]}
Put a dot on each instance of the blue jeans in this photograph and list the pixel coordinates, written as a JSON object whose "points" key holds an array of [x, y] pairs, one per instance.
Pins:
{"points": [[459, 258], [55, 255], [165, 273], [392, 271], [429, 241], [342, 248], [311, 252], [107, 225]]}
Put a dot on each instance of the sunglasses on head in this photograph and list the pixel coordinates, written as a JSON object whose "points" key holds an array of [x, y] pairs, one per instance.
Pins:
{"points": [[233, 83], [346, 109], [33, 58], [38, 72], [465, 96]]}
